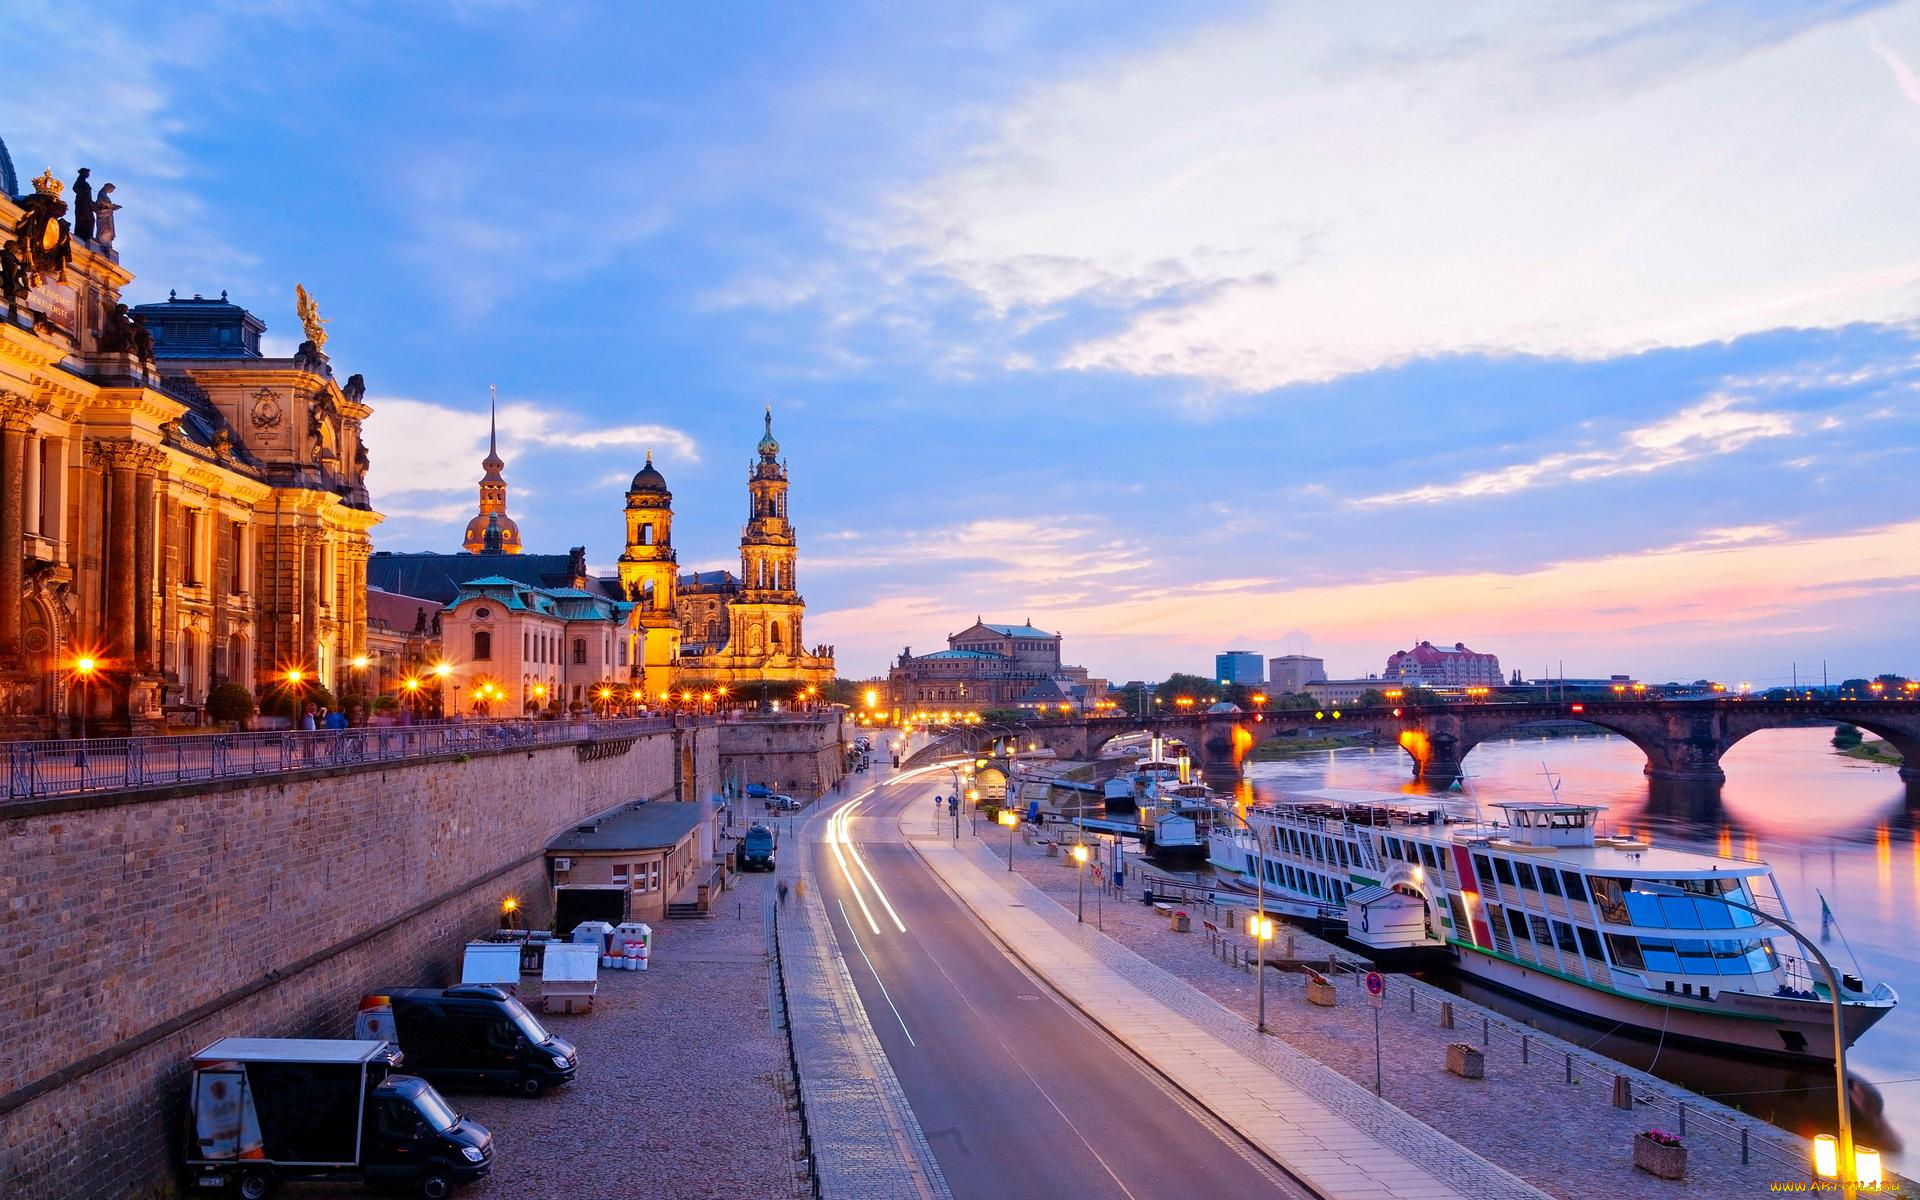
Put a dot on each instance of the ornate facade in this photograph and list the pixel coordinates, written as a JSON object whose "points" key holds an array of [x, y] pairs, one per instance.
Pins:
{"points": [[174, 506], [990, 666], [723, 631]]}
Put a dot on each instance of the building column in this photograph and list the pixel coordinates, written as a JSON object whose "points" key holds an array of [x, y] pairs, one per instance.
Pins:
{"points": [[145, 559], [117, 636], [13, 437], [36, 522]]}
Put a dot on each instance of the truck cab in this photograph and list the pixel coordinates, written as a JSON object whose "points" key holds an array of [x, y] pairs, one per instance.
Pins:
{"points": [[471, 1035], [266, 1110]]}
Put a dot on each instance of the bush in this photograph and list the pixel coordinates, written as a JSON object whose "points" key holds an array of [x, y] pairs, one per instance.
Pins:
{"points": [[230, 702], [1846, 737], [282, 700]]}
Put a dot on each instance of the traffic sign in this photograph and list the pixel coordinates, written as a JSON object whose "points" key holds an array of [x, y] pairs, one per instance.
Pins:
{"points": [[1376, 988], [953, 803]]}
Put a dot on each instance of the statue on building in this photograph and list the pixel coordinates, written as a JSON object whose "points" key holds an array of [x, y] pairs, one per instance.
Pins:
{"points": [[13, 279], [360, 459], [103, 218], [223, 445], [356, 389], [420, 620], [44, 238], [142, 339], [83, 206], [118, 334], [310, 318]]}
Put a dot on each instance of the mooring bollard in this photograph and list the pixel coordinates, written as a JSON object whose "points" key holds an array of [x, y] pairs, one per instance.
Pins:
{"points": [[1569, 1069], [1525, 1044], [1743, 1146], [1683, 1118], [1446, 1014], [1622, 1092], [1485, 1033]]}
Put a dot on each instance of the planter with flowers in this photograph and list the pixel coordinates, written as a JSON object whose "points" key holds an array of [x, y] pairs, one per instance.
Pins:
{"points": [[1660, 1154]]}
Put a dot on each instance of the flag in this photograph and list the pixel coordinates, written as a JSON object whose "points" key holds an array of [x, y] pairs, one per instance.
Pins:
{"points": [[1826, 920]]}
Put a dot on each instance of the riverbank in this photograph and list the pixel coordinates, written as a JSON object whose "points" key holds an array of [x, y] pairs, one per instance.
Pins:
{"points": [[1875, 751], [1563, 1137]]}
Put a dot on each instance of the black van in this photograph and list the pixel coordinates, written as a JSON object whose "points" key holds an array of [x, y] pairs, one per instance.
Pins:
{"points": [[478, 1035]]}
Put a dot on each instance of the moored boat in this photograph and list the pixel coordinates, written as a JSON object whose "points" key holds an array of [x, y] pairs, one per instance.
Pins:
{"points": [[1544, 906]]}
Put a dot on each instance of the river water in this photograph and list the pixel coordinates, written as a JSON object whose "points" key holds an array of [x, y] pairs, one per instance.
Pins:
{"points": [[1824, 822]]}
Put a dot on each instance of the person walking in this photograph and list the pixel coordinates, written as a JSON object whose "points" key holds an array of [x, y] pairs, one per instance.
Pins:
{"points": [[800, 889], [309, 720], [782, 889]]}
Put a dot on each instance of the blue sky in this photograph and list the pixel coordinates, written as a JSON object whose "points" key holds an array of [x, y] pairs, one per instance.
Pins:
{"points": [[1583, 335]]}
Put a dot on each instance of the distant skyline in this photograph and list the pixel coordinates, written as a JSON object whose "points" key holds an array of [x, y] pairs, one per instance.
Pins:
{"points": [[1581, 335]]}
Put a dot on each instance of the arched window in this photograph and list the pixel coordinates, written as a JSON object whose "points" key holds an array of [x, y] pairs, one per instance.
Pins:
{"points": [[646, 535], [776, 636], [482, 646]]}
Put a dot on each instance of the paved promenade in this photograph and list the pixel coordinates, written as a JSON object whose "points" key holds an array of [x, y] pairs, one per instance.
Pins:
{"points": [[867, 1144], [1332, 1134]]}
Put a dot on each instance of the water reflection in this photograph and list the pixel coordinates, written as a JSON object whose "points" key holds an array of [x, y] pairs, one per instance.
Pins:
{"points": [[1827, 825]]}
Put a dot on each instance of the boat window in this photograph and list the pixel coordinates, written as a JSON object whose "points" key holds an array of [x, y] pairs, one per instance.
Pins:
{"points": [[1394, 851], [1696, 958], [1660, 956], [1575, 889], [1563, 937], [1503, 869], [1484, 871], [1550, 881], [1589, 942], [1517, 922], [1433, 857], [1681, 912], [1525, 872], [1643, 908], [1714, 915], [1542, 933], [1626, 951]]}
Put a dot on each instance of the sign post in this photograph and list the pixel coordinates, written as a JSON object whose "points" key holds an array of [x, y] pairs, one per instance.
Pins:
{"points": [[1376, 995]]}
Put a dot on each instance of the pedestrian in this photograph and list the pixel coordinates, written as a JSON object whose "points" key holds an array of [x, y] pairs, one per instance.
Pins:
{"points": [[336, 719], [800, 889], [309, 720], [782, 889]]}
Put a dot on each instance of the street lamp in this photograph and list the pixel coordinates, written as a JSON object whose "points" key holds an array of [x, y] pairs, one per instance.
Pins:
{"points": [[1012, 821], [1845, 1167], [83, 669], [1080, 871], [1259, 926], [412, 684]]}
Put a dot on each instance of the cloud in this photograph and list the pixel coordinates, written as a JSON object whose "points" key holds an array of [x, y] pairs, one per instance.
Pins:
{"points": [[1029, 551], [1308, 194], [1713, 427], [419, 446], [1903, 75]]}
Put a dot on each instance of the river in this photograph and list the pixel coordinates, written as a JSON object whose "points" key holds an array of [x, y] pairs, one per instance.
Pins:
{"points": [[1847, 828]]}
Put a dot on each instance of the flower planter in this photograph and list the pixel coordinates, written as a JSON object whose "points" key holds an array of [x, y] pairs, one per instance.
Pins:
{"points": [[1659, 1160], [1320, 992], [1180, 923], [1466, 1060]]}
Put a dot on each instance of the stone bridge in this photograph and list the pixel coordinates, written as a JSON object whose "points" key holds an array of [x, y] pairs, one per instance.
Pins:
{"points": [[1683, 740]]}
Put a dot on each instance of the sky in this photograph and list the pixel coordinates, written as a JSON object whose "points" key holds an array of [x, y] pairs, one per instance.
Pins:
{"points": [[1585, 335]]}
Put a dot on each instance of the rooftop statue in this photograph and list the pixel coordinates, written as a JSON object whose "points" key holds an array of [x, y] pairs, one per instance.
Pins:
{"points": [[310, 317], [83, 206], [103, 219]]}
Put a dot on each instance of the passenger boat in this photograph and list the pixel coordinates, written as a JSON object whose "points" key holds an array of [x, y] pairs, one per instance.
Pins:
{"points": [[1543, 906], [1173, 810]]}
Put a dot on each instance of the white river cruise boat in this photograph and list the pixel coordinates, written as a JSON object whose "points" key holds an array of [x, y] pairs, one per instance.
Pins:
{"points": [[1542, 906]]}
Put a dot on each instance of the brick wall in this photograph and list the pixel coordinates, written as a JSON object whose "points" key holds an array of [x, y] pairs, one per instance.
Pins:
{"points": [[799, 755], [137, 928]]}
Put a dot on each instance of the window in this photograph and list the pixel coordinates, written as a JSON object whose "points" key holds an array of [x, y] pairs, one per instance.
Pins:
{"points": [[1550, 881], [1575, 889], [1504, 869], [1483, 869], [237, 565], [1589, 942], [1542, 932], [579, 652], [1563, 937], [190, 547], [526, 645], [482, 646], [1517, 922], [1525, 872], [620, 873]]}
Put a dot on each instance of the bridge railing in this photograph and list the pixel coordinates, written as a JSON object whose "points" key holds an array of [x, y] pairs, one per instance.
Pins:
{"points": [[66, 766]]}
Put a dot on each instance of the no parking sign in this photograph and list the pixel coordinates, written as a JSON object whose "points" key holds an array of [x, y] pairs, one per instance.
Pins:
{"points": [[1376, 988]]}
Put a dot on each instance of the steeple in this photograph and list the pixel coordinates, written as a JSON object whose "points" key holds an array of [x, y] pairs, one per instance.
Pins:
{"points": [[492, 531]]}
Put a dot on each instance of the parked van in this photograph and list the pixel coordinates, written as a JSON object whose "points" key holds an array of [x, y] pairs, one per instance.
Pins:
{"points": [[470, 1035], [264, 1110]]}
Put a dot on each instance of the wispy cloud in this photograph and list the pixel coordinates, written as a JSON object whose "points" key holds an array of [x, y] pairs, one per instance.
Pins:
{"points": [[1713, 427]]}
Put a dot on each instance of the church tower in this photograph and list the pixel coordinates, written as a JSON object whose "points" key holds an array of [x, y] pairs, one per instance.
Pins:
{"points": [[492, 531], [649, 572], [766, 617]]}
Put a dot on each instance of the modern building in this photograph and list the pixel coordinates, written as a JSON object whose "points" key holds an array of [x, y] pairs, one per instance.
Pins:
{"points": [[1293, 672], [1347, 691], [176, 508], [658, 851], [990, 666], [703, 630], [1427, 665], [1239, 666]]}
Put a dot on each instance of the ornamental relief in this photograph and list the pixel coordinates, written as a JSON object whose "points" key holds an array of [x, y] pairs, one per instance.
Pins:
{"points": [[267, 413]]}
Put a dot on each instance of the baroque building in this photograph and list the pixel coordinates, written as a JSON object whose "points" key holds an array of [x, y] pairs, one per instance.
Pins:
{"points": [[176, 509], [988, 666]]}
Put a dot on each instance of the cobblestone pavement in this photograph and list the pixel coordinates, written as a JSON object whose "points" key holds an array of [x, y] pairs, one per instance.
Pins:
{"points": [[1566, 1139], [684, 1091], [867, 1143]]}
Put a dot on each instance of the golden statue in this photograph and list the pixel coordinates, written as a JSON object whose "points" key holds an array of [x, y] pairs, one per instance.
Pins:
{"points": [[310, 317]]}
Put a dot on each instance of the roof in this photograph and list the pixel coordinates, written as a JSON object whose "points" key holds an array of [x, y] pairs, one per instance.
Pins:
{"points": [[302, 1050], [391, 610], [646, 826], [438, 577], [1021, 631], [706, 579]]}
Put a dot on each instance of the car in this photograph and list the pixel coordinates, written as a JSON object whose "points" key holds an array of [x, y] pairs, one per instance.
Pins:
{"points": [[786, 803]]}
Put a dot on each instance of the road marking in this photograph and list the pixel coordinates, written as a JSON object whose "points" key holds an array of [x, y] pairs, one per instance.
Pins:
{"points": [[858, 945], [844, 816]]}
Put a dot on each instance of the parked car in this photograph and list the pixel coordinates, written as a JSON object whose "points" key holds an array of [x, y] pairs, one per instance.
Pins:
{"points": [[472, 1035], [785, 803], [264, 1110]]}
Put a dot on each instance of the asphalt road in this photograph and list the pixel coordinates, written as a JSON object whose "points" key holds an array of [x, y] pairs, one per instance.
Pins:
{"points": [[1019, 1095]]}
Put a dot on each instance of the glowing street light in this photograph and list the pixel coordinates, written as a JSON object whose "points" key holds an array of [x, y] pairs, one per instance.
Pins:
{"points": [[1260, 928], [1012, 821], [1080, 870]]}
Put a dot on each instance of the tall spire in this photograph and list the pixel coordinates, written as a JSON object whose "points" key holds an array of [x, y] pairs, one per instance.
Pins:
{"points": [[492, 531], [493, 462]]}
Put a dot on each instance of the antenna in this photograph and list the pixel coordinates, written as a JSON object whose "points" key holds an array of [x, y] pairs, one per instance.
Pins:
{"points": [[1553, 781]]}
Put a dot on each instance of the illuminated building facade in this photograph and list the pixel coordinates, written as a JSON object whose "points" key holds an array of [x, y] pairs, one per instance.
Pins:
{"points": [[990, 666]]}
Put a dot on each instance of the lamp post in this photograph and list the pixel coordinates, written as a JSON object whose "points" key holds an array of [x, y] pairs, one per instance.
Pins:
{"points": [[1261, 926], [412, 684], [1012, 821], [441, 671], [83, 669], [1080, 887], [1845, 1169]]}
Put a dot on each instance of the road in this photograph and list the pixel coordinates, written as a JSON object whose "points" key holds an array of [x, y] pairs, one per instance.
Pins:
{"points": [[1019, 1094]]}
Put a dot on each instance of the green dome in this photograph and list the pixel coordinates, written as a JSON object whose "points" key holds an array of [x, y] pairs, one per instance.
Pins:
{"points": [[769, 449]]}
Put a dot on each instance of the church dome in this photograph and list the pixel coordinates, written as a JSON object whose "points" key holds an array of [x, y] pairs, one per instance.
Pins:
{"points": [[769, 448], [649, 480], [475, 541]]}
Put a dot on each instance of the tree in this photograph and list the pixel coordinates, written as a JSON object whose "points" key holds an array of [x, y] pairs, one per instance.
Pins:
{"points": [[1371, 698], [230, 703], [290, 700], [1845, 737]]}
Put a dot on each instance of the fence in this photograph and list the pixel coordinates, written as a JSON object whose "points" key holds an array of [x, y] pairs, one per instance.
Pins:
{"points": [[67, 766]]}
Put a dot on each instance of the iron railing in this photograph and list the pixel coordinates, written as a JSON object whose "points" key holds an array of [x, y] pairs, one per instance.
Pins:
{"points": [[66, 766]]}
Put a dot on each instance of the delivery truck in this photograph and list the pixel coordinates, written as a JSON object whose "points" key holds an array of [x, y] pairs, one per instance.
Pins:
{"points": [[266, 1110], [756, 849], [470, 1035]]}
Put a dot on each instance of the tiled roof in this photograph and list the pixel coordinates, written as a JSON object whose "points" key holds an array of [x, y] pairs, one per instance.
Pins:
{"points": [[438, 577], [1019, 631]]}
